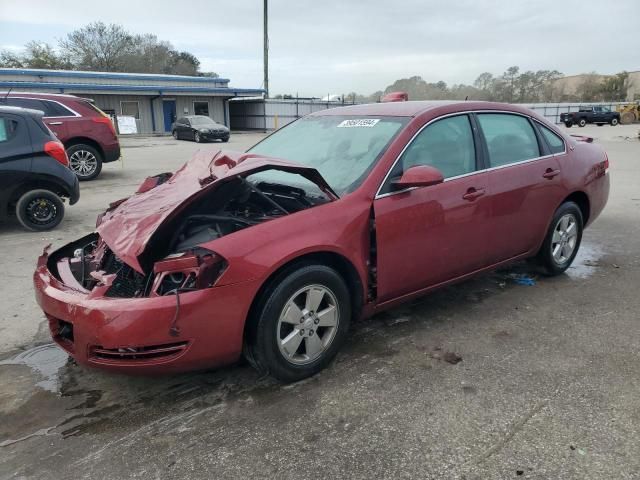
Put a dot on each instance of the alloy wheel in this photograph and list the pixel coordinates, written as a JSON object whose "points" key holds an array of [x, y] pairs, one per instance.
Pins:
{"points": [[83, 163], [564, 239], [308, 324]]}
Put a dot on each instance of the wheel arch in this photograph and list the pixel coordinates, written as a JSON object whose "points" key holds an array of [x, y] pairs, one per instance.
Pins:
{"points": [[36, 184], [338, 262], [582, 200], [84, 141]]}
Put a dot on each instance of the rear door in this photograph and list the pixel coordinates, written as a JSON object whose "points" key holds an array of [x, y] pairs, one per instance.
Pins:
{"points": [[426, 236], [524, 181], [16, 155], [55, 115]]}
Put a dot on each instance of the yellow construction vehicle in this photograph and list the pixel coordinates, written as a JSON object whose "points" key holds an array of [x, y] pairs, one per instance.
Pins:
{"points": [[629, 113]]}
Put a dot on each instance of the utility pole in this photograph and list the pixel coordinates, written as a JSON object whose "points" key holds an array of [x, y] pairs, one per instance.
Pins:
{"points": [[266, 49]]}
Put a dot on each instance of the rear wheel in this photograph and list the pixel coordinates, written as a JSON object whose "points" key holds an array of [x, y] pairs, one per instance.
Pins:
{"points": [[196, 137], [39, 210], [563, 239], [582, 122], [175, 134], [614, 122], [85, 161], [301, 322], [568, 124]]}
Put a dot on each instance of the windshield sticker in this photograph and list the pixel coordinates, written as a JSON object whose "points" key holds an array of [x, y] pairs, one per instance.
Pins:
{"points": [[360, 122]]}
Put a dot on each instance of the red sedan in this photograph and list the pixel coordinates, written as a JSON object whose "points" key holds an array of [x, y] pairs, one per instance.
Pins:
{"points": [[346, 212]]}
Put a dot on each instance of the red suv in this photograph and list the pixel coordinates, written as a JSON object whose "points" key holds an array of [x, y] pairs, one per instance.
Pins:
{"points": [[86, 131]]}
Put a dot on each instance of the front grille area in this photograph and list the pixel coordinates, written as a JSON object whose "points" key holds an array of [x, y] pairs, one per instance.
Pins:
{"points": [[137, 354], [128, 282]]}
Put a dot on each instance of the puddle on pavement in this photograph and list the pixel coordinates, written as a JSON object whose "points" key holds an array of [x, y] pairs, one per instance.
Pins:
{"points": [[45, 360], [586, 262]]}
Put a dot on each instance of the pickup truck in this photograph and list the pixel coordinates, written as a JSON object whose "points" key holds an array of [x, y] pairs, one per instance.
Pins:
{"points": [[598, 115]]}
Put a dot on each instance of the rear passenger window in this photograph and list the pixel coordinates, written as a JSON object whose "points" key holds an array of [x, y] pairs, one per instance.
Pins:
{"points": [[7, 129], [53, 109], [446, 144], [556, 144], [510, 138]]}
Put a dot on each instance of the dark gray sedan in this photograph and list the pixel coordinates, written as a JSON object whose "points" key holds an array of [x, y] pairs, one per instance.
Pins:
{"points": [[199, 128]]}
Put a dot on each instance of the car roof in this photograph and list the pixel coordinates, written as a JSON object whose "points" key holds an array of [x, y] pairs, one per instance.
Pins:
{"points": [[413, 108], [14, 93], [21, 111]]}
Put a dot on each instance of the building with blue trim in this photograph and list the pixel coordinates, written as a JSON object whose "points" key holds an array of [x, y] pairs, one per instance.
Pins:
{"points": [[154, 100]]}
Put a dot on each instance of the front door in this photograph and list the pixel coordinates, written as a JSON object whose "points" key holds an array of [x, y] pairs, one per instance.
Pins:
{"points": [[429, 235], [169, 113]]}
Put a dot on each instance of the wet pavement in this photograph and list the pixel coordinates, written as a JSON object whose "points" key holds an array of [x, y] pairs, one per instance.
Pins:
{"points": [[509, 375]]}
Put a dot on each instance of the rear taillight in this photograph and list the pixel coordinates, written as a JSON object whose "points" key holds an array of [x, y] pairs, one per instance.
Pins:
{"points": [[107, 121], [57, 151], [606, 161]]}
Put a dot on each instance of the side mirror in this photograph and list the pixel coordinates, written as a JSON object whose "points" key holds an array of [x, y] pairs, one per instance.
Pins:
{"points": [[419, 176]]}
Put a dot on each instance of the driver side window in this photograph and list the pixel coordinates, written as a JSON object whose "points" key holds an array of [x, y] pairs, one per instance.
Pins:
{"points": [[446, 144]]}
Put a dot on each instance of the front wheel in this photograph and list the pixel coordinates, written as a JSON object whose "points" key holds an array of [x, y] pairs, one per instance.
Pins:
{"points": [[614, 122], [85, 161], [563, 239], [175, 134], [39, 210], [196, 137], [568, 124], [582, 122], [301, 322]]}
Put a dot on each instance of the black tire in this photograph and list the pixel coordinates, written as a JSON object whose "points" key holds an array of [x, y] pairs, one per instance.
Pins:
{"points": [[175, 134], [39, 210], [614, 122], [225, 140], [264, 331], [545, 257], [92, 159], [568, 124], [582, 122], [196, 137]]}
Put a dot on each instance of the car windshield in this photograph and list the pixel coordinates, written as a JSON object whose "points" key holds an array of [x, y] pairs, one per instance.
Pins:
{"points": [[201, 121], [342, 148]]}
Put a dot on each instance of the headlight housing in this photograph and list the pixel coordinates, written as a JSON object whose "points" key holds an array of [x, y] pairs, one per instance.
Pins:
{"points": [[192, 270]]}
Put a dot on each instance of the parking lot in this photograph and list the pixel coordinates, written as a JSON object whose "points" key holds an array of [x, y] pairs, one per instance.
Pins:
{"points": [[509, 375]]}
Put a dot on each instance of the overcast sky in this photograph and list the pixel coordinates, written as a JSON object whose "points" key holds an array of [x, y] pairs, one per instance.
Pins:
{"points": [[339, 46]]}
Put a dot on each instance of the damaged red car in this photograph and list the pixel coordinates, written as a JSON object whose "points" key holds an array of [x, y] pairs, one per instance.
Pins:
{"points": [[273, 252]]}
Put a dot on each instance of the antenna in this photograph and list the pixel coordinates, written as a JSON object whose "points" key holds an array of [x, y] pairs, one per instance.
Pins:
{"points": [[466, 98], [7, 94]]}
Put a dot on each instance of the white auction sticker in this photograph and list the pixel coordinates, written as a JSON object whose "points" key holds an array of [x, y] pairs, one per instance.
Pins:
{"points": [[359, 122]]}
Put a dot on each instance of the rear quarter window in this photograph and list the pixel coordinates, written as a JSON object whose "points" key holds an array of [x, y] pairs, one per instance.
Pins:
{"points": [[556, 144], [8, 129]]}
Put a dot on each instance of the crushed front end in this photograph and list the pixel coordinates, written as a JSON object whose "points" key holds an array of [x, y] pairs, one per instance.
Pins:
{"points": [[105, 314]]}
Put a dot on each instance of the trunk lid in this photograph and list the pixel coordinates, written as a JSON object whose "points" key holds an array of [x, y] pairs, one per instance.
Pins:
{"points": [[128, 227]]}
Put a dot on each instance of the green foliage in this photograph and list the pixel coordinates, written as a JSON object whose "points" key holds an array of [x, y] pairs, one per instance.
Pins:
{"points": [[106, 48]]}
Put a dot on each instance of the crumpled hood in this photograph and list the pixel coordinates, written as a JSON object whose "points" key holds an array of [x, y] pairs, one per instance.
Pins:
{"points": [[128, 227]]}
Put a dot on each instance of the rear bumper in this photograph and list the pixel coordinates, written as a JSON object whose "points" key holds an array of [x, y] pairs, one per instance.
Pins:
{"points": [[111, 152], [133, 335], [74, 194], [598, 192]]}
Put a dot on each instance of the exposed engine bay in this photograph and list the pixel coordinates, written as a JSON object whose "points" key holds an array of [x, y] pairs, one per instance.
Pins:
{"points": [[174, 259], [236, 205]]}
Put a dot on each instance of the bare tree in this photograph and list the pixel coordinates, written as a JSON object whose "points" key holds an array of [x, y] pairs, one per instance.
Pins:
{"points": [[99, 46]]}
